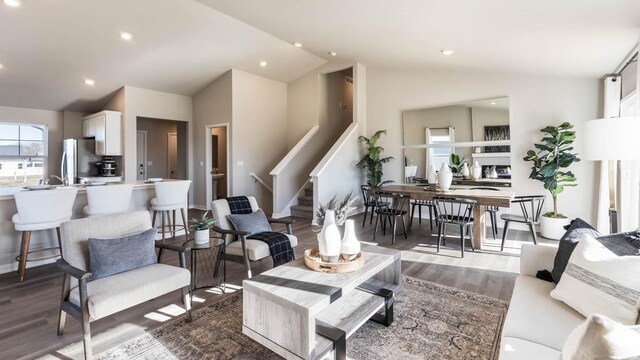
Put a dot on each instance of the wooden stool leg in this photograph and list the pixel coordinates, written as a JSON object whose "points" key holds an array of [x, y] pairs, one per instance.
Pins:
{"points": [[174, 224], [59, 239], [162, 214], [153, 220], [184, 223], [24, 251]]}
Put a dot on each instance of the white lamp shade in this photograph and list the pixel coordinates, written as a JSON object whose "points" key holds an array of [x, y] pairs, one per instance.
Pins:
{"points": [[611, 139]]}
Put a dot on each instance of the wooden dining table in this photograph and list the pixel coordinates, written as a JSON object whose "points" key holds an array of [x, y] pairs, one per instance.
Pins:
{"points": [[483, 199]]}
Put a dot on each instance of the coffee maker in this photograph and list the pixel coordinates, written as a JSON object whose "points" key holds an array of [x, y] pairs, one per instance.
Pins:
{"points": [[107, 167]]}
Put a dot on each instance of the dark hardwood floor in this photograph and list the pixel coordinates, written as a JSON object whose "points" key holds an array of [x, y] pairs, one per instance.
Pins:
{"points": [[29, 309]]}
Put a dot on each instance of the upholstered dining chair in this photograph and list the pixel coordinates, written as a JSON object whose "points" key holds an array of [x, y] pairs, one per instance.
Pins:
{"points": [[531, 207], [88, 299], [239, 248], [458, 212]]}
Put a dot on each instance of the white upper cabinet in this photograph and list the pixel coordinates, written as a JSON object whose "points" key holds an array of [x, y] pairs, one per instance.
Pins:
{"points": [[106, 128]]}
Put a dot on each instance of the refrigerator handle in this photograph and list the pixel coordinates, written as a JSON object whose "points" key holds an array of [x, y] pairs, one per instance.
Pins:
{"points": [[62, 167]]}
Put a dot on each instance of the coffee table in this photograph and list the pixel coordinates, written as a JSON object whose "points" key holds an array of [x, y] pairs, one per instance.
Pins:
{"points": [[299, 313]]}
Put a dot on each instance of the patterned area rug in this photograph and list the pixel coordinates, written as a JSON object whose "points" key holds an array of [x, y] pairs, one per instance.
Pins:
{"points": [[431, 322]]}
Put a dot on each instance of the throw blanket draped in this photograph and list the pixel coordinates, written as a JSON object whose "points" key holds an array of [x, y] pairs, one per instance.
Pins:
{"points": [[279, 244]]}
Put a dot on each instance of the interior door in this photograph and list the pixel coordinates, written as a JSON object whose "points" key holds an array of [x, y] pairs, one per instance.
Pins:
{"points": [[141, 155], [172, 159]]}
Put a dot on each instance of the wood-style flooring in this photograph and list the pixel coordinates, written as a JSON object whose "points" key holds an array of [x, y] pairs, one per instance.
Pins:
{"points": [[29, 309]]}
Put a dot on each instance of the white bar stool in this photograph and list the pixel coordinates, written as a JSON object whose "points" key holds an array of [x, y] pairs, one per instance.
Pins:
{"points": [[108, 199], [170, 197], [40, 210]]}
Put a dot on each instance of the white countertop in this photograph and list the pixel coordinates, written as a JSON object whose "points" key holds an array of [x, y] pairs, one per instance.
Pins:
{"points": [[138, 184]]}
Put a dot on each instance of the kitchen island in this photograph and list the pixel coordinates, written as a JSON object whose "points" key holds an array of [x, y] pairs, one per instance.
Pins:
{"points": [[142, 194]]}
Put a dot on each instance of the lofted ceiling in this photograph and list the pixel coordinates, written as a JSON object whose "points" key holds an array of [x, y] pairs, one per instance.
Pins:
{"points": [[48, 48], [585, 38]]}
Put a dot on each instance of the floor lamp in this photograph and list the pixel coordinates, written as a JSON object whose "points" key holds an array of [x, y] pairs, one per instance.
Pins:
{"points": [[611, 139]]}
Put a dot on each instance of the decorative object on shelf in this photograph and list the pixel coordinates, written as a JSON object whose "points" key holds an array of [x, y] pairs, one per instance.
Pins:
{"points": [[445, 177], [465, 171], [549, 166], [497, 133], [313, 260], [476, 171], [477, 150], [341, 210], [350, 244], [457, 163], [372, 162], [329, 241], [491, 172], [432, 177], [201, 227]]}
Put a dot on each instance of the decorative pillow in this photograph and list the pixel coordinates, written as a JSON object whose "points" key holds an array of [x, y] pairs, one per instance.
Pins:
{"points": [[599, 337], [253, 223], [597, 281], [113, 256], [567, 243]]}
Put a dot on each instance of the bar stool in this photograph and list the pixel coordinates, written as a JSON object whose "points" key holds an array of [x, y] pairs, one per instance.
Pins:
{"points": [[170, 197], [40, 210], [108, 199]]}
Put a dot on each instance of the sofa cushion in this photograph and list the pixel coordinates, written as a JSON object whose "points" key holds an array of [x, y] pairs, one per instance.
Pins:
{"points": [[112, 256], [567, 243], [253, 223], [115, 293], [519, 349], [597, 281], [256, 249], [535, 316], [599, 337]]}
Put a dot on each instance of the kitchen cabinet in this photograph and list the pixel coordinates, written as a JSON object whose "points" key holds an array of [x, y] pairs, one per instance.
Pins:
{"points": [[106, 128]]}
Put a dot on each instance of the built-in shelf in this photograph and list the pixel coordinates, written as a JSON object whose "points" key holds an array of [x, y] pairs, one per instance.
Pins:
{"points": [[460, 144], [491, 155]]}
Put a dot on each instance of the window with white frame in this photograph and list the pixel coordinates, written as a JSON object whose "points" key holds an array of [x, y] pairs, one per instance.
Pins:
{"points": [[23, 153]]}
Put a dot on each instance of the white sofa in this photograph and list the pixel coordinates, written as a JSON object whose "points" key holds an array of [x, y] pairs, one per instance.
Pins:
{"points": [[537, 325]]}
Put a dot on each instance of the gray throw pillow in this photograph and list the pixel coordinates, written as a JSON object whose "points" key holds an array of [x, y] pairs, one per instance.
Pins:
{"points": [[112, 256], [567, 243], [253, 223]]}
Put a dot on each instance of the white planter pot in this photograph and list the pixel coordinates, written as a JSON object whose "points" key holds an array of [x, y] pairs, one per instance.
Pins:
{"points": [[201, 237], [553, 228]]}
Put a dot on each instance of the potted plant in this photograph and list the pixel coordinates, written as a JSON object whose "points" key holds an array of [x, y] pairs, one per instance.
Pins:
{"points": [[200, 228], [550, 165], [457, 165], [372, 162]]}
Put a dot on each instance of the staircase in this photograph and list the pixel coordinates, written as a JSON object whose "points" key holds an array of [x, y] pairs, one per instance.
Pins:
{"points": [[304, 209]]}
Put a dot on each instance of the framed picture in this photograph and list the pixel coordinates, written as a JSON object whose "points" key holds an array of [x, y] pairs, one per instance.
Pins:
{"points": [[494, 133]]}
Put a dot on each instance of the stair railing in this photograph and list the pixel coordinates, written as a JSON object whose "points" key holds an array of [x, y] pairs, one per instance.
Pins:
{"points": [[258, 179]]}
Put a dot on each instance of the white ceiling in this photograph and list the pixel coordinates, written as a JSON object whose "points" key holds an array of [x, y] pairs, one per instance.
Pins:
{"points": [[551, 37], [48, 47]]}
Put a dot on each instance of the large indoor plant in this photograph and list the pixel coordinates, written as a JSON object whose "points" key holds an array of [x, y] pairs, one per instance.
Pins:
{"points": [[372, 162], [550, 163]]}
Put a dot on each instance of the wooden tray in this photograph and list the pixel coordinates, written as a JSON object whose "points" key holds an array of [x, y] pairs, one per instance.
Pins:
{"points": [[314, 262]]}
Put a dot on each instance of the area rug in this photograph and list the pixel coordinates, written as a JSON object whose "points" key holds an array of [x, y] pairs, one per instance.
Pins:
{"points": [[431, 322]]}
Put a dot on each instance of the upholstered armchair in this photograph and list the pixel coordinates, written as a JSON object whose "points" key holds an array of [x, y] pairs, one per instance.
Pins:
{"points": [[88, 299], [239, 248]]}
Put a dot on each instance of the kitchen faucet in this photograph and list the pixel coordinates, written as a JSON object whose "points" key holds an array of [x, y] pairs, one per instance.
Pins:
{"points": [[65, 181]]}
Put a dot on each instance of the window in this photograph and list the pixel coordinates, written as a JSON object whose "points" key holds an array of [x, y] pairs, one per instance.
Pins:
{"points": [[23, 152], [437, 156]]}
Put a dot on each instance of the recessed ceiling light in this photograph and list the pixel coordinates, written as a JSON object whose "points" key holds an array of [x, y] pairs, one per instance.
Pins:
{"points": [[333, 53], [89, 82], [447, 52], [492, 103], [263, 63], [12, 3], [297, 44], [126, 36]]}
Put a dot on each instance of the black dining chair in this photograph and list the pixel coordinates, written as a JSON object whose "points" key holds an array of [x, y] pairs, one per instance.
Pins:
{"points": [[420, 204], [390, 207], [454, 211], [531, 206], [491, 210], [369, 201]]}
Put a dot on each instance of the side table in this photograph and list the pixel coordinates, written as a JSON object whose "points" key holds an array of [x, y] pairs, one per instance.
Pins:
{"points": [[205, 260]]}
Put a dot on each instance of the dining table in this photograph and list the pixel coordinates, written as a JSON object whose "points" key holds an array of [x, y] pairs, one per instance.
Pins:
{"points": [[483, 199]]}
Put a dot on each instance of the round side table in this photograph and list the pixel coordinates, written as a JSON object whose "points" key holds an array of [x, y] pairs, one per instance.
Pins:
{"points": [[205, 262]]}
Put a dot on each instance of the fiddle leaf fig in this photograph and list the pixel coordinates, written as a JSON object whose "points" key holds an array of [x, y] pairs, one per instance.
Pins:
{"points": [[372, 162]]}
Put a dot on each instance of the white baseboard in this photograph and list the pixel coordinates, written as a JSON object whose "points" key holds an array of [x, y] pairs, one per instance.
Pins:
{"points": [[198, 207], [7, 268]]}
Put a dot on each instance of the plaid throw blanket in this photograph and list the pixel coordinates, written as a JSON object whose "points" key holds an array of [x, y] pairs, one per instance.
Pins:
{"points": [[279, 244]]}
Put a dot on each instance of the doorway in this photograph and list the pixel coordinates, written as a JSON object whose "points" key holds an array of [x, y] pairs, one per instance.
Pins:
{"points": [[217, 169], [165, 150], [141, 155]]}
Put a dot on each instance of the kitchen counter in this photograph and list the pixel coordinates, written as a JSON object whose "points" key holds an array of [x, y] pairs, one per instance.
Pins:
{"points": [[139, 184]]}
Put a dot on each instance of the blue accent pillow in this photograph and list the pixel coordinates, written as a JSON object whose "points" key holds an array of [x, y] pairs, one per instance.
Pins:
{"points": [[253, 223], [112, 256], [568, 243]]}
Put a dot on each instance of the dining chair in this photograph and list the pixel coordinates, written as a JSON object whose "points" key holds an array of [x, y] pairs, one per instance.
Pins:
{"points": [[531, 207], [420, 204], [454, 211], [390, 207], [491, 210], [368, 202]]}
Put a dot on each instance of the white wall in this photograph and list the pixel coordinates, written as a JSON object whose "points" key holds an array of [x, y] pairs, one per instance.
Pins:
{"points": [[73, 124], [534, 103]]}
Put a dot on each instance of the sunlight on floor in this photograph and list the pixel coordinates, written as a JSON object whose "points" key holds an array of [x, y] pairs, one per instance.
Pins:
{"points": [[157, 317], [229, 289], [172, 310]]}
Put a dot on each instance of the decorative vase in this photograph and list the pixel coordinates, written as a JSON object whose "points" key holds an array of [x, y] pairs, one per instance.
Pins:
{"points": [[465, 171], [329, 242], [445, 177], [201, 237], [432, 177], [476, 171], [553, 228], [350, 244]]}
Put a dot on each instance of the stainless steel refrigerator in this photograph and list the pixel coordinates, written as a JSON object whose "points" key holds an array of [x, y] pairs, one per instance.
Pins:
{"points": [[79, 159]]}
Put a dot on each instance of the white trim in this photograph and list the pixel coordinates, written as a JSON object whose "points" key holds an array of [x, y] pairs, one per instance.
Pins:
{"points": [[209, 161], [294, 151], [460, 144], [169, 135], [317, 171], [262, 182], [144, 132], [198, 207], [491, 155]]}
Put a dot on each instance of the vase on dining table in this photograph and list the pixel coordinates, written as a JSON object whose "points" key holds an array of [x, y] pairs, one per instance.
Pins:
{"points": [[445, 177]]}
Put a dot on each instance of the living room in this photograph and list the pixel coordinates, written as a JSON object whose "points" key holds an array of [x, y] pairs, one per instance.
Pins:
{"points": [[407, 180]]}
